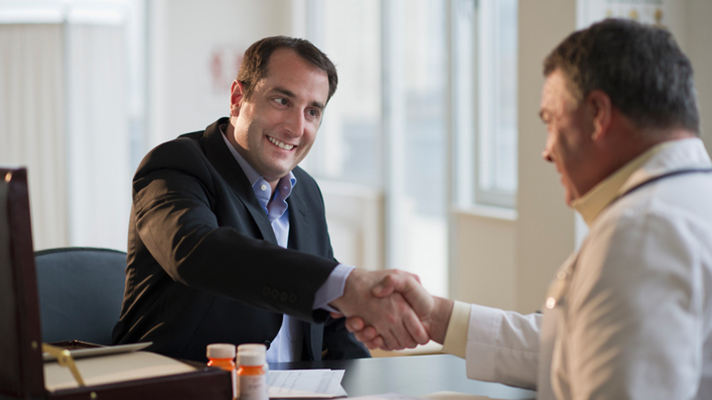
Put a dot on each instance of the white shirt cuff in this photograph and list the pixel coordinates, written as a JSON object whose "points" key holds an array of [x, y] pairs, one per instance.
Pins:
{"points": [[333, 288]]}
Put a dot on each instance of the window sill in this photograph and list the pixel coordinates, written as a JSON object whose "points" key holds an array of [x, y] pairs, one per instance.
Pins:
{"points": [[498, 213]]}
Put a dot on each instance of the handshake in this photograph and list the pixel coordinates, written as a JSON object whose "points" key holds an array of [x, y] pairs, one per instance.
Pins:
{"points": [[391, 310]]}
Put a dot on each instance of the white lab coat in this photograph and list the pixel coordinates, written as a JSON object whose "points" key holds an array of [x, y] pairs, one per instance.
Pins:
{"points": [[633, 313]]}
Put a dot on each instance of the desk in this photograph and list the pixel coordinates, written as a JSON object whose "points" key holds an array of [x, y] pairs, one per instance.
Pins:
{"points": [[411, 375]]}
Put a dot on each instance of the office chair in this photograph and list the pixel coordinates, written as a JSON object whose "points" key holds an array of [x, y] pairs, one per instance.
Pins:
{"points": [[80, 293]]}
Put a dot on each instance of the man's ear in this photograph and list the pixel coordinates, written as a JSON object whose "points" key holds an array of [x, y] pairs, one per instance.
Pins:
{"points": [[601, 110], [237, 92]]}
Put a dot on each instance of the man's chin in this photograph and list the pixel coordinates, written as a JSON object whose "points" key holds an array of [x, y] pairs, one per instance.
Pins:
{"points": [[280, 172]]}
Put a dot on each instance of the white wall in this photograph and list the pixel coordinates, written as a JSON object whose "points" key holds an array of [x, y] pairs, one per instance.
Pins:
{"points": [[545, 229], [487, 259], [699, 49]]}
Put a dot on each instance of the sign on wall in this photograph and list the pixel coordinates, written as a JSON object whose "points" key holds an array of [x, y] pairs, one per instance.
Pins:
{"points": [[655, 12]]}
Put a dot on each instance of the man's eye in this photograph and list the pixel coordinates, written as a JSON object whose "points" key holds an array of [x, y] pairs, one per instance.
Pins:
{"points": [[313, 113], [281, 101]]}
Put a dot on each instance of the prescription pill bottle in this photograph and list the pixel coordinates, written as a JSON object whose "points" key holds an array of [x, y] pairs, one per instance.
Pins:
{"points": [[251, 374], [222, 355], [256, 347]]}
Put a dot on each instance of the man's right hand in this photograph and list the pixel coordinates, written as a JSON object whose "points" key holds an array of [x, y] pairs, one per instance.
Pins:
{"points": [[395, 316], [435, 322]]}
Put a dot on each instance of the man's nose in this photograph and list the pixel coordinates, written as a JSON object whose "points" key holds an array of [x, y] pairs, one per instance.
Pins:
{"points": [[295, 123], [547, 155]]}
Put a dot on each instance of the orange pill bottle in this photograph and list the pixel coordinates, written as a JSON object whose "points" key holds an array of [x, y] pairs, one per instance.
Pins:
{"points": [[222, 355], [251, 374]]}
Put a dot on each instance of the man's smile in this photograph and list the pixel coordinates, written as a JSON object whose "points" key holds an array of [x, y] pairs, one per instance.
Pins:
{"points": [[280, 144]]}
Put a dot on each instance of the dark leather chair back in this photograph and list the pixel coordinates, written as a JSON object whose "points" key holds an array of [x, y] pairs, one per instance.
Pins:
{"points": [[80, 293]]}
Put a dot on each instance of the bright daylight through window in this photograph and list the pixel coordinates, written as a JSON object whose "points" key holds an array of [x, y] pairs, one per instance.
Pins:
{"points": [[426, 106]]}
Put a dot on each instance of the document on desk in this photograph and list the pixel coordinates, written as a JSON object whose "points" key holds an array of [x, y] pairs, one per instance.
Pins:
{"points": [[302, 383]]}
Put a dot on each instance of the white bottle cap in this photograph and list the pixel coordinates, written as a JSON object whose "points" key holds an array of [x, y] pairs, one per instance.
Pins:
{"points": [[252, 347], [221, 350], [251, 355]]}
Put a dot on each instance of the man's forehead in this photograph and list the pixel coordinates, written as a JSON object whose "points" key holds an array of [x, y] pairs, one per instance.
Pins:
{"points": [[554, 84], [555, 93], [286, 71], [285, 59]]}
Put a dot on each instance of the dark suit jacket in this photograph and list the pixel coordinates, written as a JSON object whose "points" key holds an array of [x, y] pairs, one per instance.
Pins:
{"points": [[203, 262]]}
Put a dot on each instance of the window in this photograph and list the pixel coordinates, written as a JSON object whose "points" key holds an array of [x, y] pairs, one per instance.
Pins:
{"points": [[415, 67], [386, 128], [426, 105], [349, 148], [485, 101]]}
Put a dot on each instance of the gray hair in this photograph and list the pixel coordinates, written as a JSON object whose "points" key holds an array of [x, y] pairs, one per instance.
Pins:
{"points": [[640, 67]]}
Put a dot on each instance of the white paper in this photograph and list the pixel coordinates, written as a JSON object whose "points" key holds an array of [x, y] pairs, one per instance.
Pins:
{"points": [[300, 383]]}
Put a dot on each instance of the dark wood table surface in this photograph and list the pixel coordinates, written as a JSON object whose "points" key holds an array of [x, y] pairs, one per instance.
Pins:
{"points": [[410, 375]]}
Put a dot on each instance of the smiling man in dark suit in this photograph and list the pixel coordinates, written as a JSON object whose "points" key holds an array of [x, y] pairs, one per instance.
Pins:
{"points": [[228, 239]]}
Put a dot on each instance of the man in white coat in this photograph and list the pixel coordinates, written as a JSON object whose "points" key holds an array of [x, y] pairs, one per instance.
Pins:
{"points": [[629, 316]]}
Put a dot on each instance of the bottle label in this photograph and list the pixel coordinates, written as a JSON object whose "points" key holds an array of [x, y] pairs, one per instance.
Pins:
{"points": [[235, 389], [253, 387]]}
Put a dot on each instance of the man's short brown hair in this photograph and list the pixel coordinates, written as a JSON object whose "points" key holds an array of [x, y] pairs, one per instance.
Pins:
{"points": [[256, 59]]}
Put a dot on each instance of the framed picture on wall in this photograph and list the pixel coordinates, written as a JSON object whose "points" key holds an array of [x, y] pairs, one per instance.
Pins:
{"points": [[646, 11]]}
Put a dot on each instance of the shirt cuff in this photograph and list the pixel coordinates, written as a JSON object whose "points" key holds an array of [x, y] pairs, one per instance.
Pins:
{"points": [[333, 288], [456, 336]]}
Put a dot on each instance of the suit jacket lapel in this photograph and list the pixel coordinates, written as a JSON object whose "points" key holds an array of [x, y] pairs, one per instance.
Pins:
{"points": [[299, 228], [221, 158]]}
